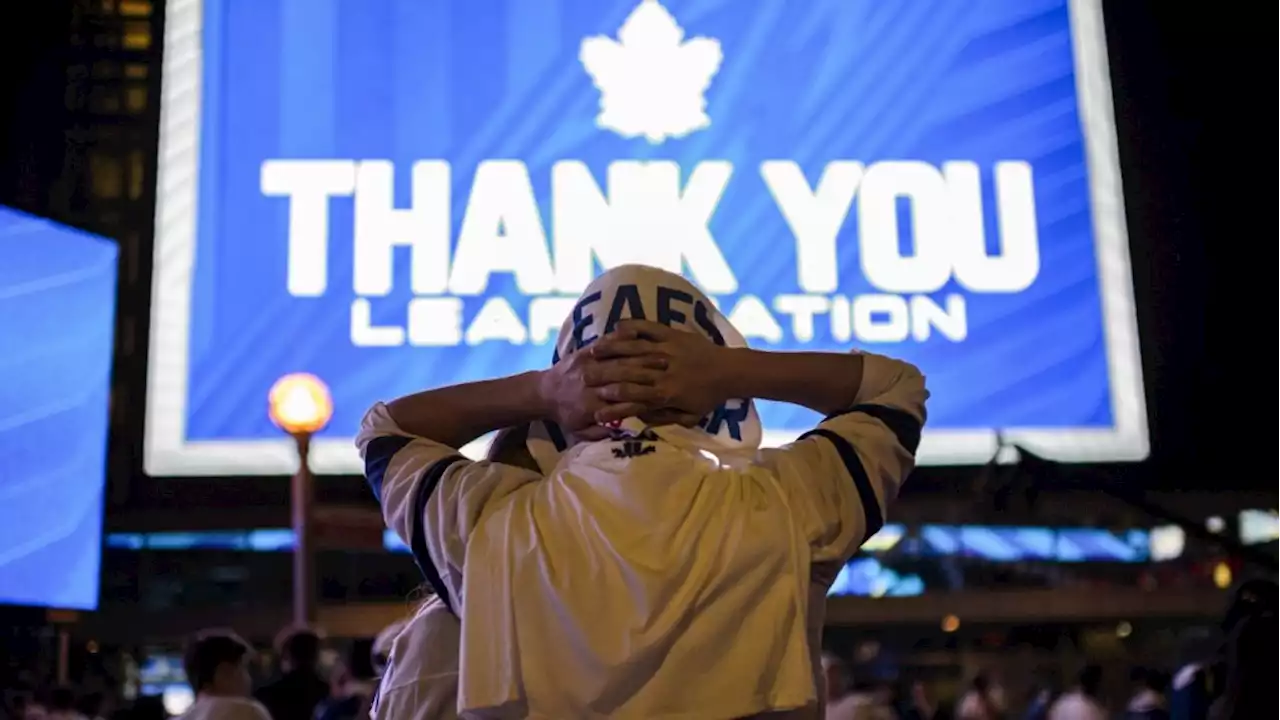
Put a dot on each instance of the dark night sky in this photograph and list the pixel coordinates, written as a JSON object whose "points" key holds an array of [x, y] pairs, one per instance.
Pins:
{"points": [[1190, 127], [31, 78]]}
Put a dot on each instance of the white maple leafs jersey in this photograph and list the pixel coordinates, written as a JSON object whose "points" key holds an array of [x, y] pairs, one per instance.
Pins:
{"points": [[655, 582], [420, 681]]}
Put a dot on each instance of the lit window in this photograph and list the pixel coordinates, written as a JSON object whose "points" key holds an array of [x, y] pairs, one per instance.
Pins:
{"points": [[135, 8], [104, 100], [106, 176], [135, 99], [137, 174], [137, 36]]}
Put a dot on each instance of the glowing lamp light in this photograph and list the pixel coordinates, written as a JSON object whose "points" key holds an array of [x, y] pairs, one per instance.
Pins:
{"points": [[299, 404], [950, 624]]}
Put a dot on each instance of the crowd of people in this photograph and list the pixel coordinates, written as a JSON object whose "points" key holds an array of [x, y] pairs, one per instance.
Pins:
{"points": [[1230, 681], [629, 550], [1227, 681], [227, 683]]}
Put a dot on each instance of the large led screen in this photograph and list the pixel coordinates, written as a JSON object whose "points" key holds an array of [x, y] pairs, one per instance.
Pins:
{"points": [[57, 322], [400, 194]]}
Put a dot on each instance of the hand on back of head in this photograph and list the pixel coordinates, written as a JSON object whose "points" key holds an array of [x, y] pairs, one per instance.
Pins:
{"points": [[686, 385], [642, 369]]}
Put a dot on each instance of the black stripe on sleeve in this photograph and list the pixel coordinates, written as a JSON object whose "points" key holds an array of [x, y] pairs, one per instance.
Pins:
{"points": [[872, 516], [377, 457], [418, 536], [557, 436], [901, 423]]}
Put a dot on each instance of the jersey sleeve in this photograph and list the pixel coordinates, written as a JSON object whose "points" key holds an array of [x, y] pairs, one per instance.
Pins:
{"points": [[840, 477], [431, 496]]}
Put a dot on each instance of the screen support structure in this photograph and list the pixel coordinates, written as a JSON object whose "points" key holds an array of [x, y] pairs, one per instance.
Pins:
{"points": [[1041, 471]]}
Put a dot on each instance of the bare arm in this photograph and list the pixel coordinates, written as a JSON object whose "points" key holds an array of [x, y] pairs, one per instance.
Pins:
{"points": [[431, 496], [701, 375], [458, 414], [822, 381], [569, 393]]}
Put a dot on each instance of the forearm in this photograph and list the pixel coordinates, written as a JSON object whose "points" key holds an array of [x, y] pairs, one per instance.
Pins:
{"points": [[822, 381], [458, 414]]}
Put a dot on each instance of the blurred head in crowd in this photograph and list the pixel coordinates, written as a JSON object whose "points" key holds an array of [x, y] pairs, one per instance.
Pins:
{"points": [[217, 663], [1044, 692], [1047, 682], [91, 704], [909, 699], [1197, 645], [148, 707], [882, 691], [301, 687], [299, 650], [15, 702], [1090, 680], [835, 675], [1149, 679], [1251, 670], [864, 683], [23, 704], [358, 664], [984, 698], [1252, 599], [62, 699], [986, 684]]}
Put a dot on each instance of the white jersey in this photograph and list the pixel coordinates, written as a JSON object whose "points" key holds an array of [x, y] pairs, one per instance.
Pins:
{"points": [[645, 578], [421, 678]]}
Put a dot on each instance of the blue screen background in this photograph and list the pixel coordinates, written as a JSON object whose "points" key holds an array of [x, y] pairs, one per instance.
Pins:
{"points": [[811, 81], [57, 310]]}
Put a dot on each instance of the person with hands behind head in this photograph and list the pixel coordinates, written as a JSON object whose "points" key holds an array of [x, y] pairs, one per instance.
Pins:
{"points": [[702, 374], [692, 375], [657, 541]]}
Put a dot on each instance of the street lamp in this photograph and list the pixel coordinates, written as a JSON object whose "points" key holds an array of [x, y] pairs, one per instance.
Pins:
{"points": [[300, 404]]}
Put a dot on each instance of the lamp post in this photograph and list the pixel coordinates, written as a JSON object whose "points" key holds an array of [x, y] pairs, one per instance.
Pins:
{"points": [[300, 405]]}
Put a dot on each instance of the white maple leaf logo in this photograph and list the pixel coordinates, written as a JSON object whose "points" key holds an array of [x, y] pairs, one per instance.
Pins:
{"points": [[652, 82]]}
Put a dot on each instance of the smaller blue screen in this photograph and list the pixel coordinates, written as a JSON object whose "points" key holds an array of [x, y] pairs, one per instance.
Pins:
{"points": [[57, 316]]}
